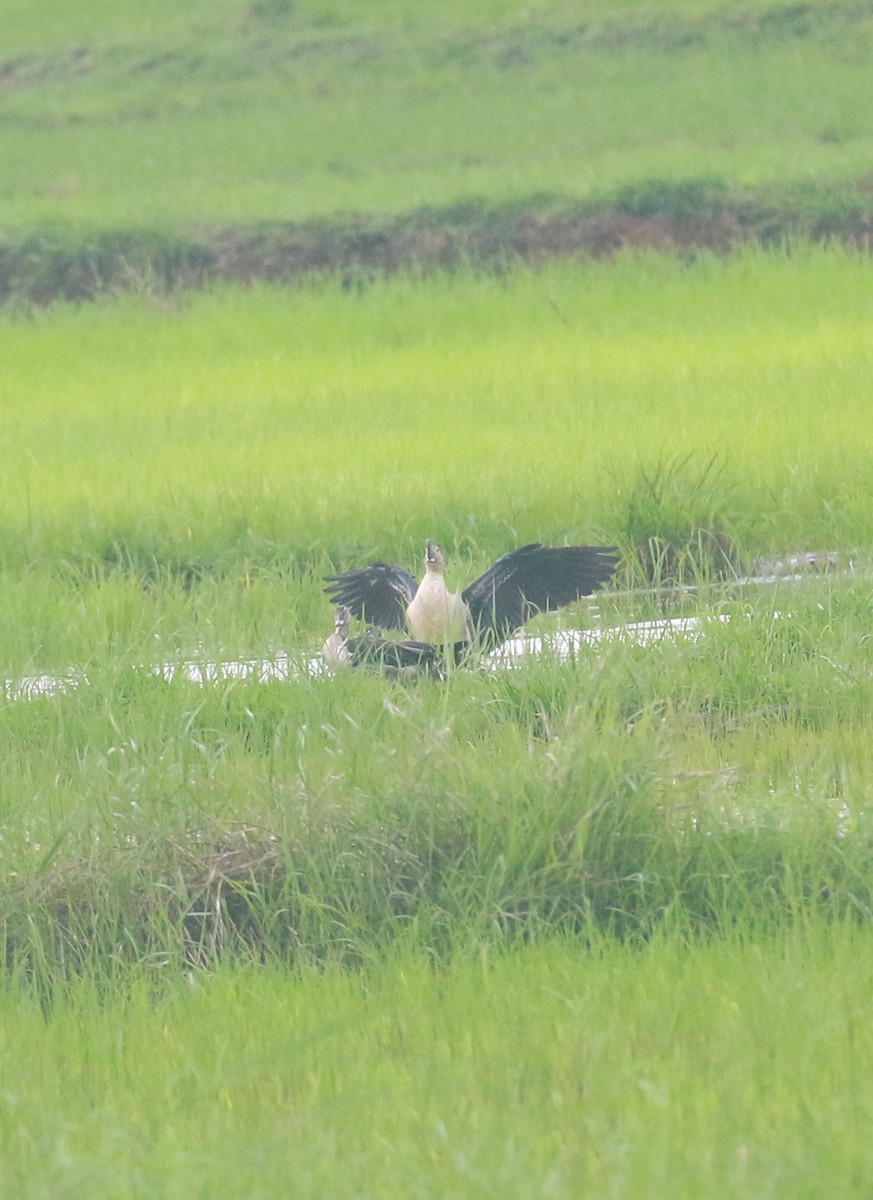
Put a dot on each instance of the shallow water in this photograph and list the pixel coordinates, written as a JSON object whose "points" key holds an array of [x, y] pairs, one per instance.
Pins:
{"points": [[564, 645], [790, 569]]}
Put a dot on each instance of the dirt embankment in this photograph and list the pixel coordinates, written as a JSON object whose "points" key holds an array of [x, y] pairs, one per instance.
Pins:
{"points": [[64, 263]]}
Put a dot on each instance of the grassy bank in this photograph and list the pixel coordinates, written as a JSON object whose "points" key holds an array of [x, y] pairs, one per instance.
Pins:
{"points": [[686, 217], [236, 113], [711, 785]]}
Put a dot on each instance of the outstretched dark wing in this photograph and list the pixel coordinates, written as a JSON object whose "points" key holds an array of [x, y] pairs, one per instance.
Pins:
{"points": [[534, 579], [377, 594]]}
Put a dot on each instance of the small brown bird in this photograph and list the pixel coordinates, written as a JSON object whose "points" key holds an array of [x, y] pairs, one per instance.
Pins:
{"points": [[397, 659]]}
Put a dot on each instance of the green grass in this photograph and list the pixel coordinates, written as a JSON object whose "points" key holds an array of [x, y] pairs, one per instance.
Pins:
{"points": [[730, 1069], [267, 430], [218, 114]]}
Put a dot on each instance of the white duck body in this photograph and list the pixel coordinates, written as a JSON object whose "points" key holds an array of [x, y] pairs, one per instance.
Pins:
{"points": [[435, 614]]}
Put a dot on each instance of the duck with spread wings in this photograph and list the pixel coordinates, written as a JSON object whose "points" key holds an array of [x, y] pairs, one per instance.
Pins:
{"points": [[532, 579]]}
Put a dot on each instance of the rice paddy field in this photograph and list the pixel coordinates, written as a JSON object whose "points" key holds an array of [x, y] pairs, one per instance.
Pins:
{"points": [[595, 924], [295, 108]]}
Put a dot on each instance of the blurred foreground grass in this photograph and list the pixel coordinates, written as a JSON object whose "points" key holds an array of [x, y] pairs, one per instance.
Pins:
{"points": [[726, 1068]]}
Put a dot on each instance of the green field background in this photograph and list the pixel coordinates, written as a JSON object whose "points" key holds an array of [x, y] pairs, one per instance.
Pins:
{"points": [[473, 410], [236, 112]]}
